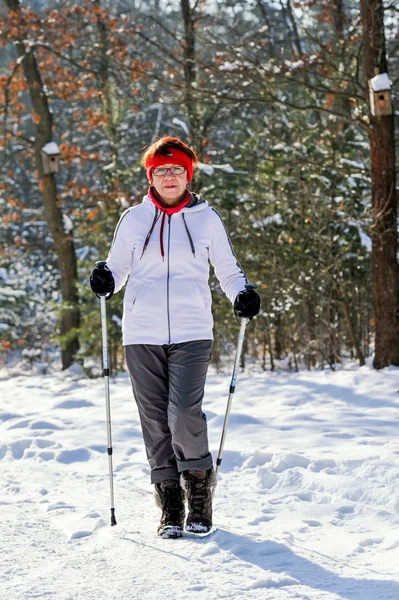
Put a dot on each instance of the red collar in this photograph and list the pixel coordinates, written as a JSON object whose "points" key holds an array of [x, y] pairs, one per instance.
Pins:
{"points": [[169, 210]]}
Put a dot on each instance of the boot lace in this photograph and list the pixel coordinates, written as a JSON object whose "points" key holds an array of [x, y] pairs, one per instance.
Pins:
{"points": [[198, 494], [172, 502]]}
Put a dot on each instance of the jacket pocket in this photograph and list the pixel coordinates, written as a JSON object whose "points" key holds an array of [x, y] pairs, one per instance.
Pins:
{"points": [[198, 293], [136, 297]]}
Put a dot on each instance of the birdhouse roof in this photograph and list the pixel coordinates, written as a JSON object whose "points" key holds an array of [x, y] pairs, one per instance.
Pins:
{"points": [[380, 82], [51, 148]]}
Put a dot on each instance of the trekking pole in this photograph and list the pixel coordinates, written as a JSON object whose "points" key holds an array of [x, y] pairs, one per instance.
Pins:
{"points": [[244, 323], [101, 264]]}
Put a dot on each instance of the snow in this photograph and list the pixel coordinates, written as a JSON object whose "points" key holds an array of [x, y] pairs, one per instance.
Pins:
{"points": [[298, 64], [181, 124], [272, 219], [207, 169], [380, 82], [282, 146], [365, 240], [68, 225], [210, 169], [51, 148], [307, 504], [352, 163]]}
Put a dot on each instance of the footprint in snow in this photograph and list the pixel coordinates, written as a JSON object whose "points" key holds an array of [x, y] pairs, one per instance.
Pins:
{"points": [[262, 519], [346, 510], [70, 456], [312, 523], [123, 466], [196, 588], [370, 542], [45, 455], [19, 424], [131, 451], [67, 404], [7, 416], [339, 435], [80, 534], [99, 448], [44, 425], [29, 424], [343, 512], [93, 520], [367, 543], [42, 443], [19, 447], [59, 506]]}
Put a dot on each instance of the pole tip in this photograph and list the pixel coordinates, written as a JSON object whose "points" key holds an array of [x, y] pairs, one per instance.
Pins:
{"points": [[113, 518]]}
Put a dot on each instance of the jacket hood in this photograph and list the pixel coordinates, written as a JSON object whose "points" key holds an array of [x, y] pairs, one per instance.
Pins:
{"points": [[196, 204]]}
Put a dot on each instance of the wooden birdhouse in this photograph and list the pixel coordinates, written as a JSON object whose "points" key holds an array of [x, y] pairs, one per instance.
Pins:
{"points": [[380, 95], [50, 156]]}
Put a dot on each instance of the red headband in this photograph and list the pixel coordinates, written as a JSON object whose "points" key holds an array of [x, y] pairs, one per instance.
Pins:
{"points": [[174, 157]]}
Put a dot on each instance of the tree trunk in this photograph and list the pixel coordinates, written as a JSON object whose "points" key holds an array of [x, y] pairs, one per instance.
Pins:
{"points": [[384, 264], [278, 336], [352, 333], [63, 242], [264, 352], [190, 80], [310, 321], [269, 343]]}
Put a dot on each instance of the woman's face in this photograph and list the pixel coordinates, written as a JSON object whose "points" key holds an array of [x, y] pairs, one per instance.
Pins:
{"points": [[170, 187]]}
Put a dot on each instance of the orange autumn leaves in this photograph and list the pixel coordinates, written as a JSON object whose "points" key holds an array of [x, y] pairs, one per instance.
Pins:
{"points": [[69, 51]]}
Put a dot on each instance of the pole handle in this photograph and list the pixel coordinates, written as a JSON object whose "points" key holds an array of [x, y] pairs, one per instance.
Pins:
{"points": [[101, 264]]}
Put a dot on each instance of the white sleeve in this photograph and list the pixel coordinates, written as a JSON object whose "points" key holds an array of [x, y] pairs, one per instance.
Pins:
{"points": [[119, 259], [228, 270]]}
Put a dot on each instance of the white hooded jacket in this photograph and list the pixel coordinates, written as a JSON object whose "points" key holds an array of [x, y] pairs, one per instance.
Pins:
{"points": [[167, 299]]}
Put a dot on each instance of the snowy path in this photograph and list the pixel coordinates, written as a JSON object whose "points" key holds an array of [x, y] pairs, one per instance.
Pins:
{"points": [[307, 504]]}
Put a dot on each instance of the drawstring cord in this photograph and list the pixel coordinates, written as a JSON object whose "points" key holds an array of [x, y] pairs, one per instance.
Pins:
{"points": [[147, 239], [158, 212], [161, 235], [190, 239]]}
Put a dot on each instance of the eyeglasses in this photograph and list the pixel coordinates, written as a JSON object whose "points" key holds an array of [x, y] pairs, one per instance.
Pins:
{"points": [[162, 171]]}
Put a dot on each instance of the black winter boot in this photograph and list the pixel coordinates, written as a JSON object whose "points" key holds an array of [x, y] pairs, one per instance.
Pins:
{"points": [[170, 498], [199, 488]]}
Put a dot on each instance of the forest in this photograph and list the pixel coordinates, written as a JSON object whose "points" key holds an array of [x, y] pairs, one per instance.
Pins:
{"points": [[290, 107]]}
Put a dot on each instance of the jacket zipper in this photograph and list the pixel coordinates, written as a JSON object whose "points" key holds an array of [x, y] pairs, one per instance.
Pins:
{"points": [[167, 288]]}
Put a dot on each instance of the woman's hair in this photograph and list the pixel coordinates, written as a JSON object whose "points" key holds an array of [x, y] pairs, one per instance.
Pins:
{"points": [[161, 146]]}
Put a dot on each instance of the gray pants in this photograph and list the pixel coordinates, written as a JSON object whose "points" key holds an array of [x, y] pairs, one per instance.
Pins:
{"points": [[168, 385]]}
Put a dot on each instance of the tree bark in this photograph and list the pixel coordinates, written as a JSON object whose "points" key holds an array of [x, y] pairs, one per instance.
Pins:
{"points": [[278, 337], [352, 333], [310, 321], [63, 242], [190, 80], [384, 264]]}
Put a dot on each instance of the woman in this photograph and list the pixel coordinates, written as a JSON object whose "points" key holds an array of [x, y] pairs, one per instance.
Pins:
{"points": [[162, 248]]}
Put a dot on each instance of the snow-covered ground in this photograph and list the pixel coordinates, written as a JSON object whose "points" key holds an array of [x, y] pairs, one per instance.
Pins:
{"points": [[307, 504]]}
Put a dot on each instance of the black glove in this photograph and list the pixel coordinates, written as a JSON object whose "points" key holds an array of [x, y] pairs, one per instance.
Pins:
{"points": [[102, 282], [247, 304]]}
